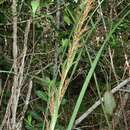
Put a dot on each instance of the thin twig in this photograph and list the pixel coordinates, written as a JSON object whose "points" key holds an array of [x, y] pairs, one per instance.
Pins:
{"points": [[96, 104], [19, 124], [15, 55]]}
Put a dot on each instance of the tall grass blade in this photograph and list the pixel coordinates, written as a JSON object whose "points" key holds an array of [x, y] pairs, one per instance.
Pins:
{"points": [[90, 73]]}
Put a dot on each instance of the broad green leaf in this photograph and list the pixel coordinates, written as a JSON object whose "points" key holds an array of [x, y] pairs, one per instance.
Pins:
{"points": [[42, 95], [109, 102], [35, 4]]}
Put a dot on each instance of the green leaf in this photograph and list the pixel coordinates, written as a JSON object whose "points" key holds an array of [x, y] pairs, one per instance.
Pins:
{"points": [[42, 81], [109, 102], [65, 42], [42, 95], [2, 1], [29, 119], [36, 116], [114, 42], [64, 101], [35, 4], [67, 20]]}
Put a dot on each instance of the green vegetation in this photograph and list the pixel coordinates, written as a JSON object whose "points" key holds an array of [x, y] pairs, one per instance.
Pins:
{"points": [[59, 60]]}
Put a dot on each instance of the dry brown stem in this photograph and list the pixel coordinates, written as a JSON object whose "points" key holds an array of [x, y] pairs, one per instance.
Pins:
{"points": [[80, 29], [78, 32]]}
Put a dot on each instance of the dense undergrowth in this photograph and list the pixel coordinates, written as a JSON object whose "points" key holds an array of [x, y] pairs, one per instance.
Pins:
{"points": [[64, 65]]}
